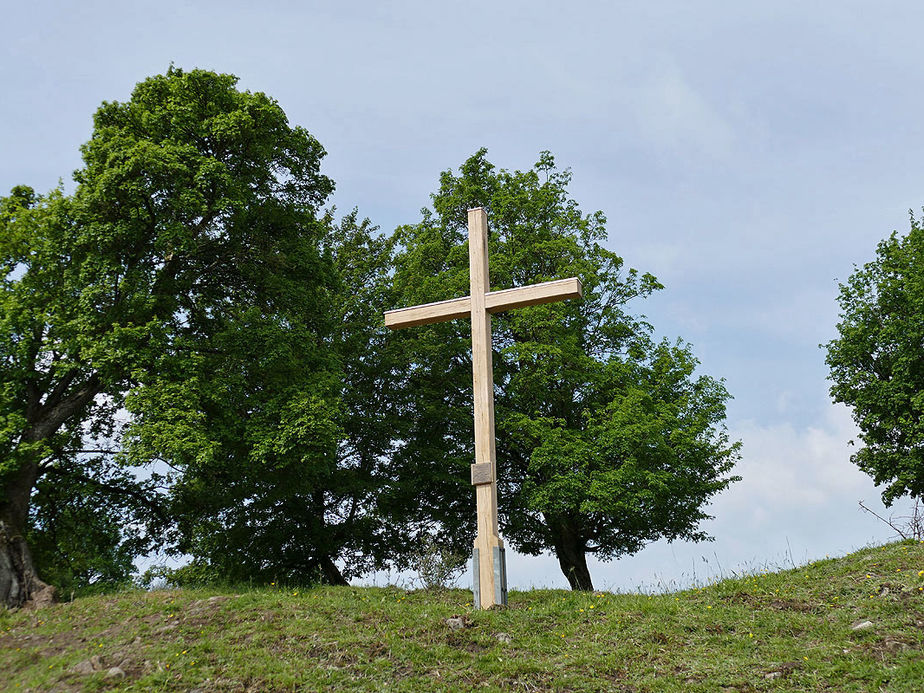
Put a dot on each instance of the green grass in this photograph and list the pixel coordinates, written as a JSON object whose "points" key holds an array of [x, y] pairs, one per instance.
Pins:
{"points": [[788, 630]]}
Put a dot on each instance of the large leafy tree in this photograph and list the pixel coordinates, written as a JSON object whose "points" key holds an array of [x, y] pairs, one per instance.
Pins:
{"points": [[278, 460], [606, 438], [186, 268], [877, 363], [374, 536]]}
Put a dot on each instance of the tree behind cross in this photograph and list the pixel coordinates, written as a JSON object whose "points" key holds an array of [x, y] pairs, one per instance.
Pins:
{"points": [[606, 440]]}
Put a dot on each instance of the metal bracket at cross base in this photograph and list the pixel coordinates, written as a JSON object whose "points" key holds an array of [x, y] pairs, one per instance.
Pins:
{"points": [[500, 576]]}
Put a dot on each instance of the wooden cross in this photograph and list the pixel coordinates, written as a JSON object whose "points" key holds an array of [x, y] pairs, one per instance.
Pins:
{"points": [[490, 575]]}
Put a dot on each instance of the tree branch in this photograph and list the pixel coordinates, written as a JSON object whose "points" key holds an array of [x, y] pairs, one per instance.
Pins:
{"points": [[132, 493], [888, 522], [52, 415]]}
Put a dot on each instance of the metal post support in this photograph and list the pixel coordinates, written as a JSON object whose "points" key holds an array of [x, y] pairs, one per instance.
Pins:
{"points": [[476, 578], [500, 575]]}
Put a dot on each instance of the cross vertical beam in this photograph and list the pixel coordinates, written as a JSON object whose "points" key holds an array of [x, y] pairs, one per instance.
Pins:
{"points": [[485, 468]]}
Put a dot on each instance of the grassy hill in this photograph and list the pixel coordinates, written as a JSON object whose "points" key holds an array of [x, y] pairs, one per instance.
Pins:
{"points": [[846, 624]]}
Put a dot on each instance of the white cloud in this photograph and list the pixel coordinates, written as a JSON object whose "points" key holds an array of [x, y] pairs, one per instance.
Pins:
{"points": [[674, 116], [784, 466]]}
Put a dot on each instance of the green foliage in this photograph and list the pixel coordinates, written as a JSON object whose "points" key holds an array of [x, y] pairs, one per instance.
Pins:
{"points": [[80, 537], [877, 363], [282, 465], [184, 280], [37, 322], [370, 397], [607, 440], [437, 567], [243, 401]]}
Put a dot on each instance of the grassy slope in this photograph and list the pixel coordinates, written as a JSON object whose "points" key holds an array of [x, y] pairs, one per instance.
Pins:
{"points": [[776, 631]]}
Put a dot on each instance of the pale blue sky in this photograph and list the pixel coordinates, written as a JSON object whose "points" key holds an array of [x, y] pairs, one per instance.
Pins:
{"points": [[746, 156]]}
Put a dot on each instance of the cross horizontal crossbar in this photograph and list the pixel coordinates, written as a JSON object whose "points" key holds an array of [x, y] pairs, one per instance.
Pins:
{"points": [[495, 302]]}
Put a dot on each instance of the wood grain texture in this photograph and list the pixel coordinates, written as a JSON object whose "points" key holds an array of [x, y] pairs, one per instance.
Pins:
{"points": [[533, 295], [494, 302], [439, 311], [483, 382]]}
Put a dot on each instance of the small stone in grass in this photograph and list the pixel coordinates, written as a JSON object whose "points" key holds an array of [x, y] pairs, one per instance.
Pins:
{"points": [[83, 667], [861, 625]]}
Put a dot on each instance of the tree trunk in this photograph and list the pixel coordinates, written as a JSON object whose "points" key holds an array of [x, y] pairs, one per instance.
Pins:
{"points": [[571, 553], [19, 582], [331, 573]]}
